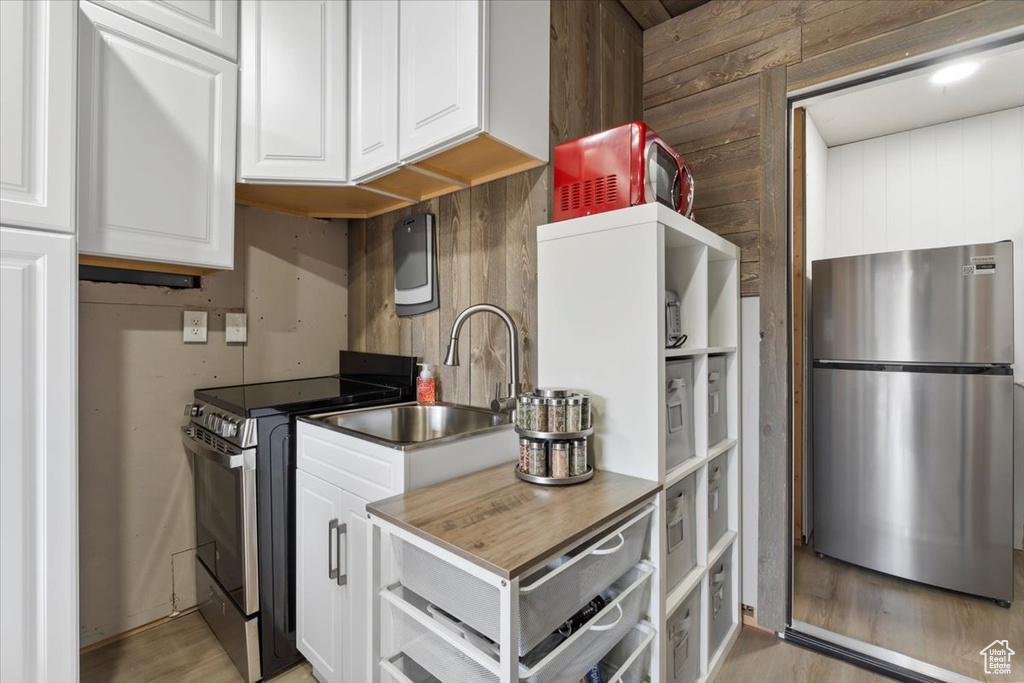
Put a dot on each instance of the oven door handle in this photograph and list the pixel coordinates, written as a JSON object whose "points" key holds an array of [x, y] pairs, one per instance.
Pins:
{"points": [[228, 461]]}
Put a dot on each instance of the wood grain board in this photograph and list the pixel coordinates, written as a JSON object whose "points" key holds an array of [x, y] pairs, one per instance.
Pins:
{"points": [[701, 76], [486, 234], [799, 185], [506, 525], [933, 625]]}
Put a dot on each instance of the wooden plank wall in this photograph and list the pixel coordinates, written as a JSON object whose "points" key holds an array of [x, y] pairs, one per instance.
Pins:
{"points": [[715, 85], [703, 71], [487, 234]]}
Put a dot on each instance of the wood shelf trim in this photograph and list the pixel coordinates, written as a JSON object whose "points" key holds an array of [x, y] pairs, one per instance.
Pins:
{"points": [[150, 266]]}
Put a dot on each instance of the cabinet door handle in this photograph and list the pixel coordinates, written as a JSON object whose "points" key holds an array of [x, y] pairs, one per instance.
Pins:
{"points": [[342, 576], [332, 530]]}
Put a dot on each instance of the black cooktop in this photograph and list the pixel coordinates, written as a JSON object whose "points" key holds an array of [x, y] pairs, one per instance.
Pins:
{"points": [[292, 396]]}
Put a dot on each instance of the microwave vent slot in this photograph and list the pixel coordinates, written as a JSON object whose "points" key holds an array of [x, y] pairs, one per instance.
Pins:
{"points": [[596, 192]]}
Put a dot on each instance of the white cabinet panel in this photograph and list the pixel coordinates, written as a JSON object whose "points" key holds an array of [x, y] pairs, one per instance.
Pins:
{"points": [[321, 622], [440, 73], [357, 601], [37, 114], [157, 152], [210, 24], [38, 457], [373, 95], [294, 83]]}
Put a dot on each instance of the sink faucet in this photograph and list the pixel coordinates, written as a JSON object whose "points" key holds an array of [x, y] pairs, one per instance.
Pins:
{"points": [[500, 403]]}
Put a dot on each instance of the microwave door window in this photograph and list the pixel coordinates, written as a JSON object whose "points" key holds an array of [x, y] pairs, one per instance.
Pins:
{"points": [[667, 179]]}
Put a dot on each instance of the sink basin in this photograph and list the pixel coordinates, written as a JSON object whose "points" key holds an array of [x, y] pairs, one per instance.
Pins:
{"points": [[408, 426]]}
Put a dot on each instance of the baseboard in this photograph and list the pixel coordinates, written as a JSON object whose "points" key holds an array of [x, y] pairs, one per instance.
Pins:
{"points": [[135, 631], [750, 619]]}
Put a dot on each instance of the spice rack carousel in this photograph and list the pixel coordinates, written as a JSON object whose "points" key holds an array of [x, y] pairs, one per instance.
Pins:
{"points": [[553, 425]]}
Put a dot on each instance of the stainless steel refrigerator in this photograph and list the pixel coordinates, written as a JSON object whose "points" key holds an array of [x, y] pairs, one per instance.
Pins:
{"points": [[913, 415]]}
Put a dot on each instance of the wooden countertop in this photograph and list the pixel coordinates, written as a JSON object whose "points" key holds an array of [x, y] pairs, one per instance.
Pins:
{"points": [[507, 525]]}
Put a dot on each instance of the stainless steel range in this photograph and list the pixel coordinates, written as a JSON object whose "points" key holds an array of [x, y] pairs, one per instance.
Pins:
{"points": [[241, 439]]}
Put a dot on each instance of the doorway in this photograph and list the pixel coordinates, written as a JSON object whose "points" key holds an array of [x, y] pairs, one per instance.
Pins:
{"points": [[900, 163]]}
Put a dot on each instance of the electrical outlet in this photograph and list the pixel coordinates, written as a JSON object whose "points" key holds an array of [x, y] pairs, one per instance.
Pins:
{"points": [[235, 327], [194, 327]]}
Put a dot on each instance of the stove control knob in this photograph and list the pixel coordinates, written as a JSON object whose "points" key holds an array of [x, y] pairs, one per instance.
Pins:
{"points": [[228, 429], [193, 410]]}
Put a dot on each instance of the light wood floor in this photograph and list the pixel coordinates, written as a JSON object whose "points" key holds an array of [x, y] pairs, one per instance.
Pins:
{"points": [[186, 651], [181, 651], [760, 657], [937, 626]]}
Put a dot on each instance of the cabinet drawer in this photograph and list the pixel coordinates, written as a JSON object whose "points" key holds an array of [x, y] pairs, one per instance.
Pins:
{"points": [[368, 473], [546, 600], [453, 653]]}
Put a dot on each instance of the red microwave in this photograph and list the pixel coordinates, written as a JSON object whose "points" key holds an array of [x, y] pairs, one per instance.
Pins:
{"points": [[620, 167]]}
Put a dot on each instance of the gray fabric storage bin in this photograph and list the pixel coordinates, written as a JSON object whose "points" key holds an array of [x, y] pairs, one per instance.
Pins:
{"points": [[718, 499], [718, 426], [684, 640], [721, 599], [681, 527], [679, 444]]}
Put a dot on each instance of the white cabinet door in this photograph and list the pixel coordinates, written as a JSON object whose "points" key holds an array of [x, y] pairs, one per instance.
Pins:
{"points": [[321, 625], [440, 72], [294, 91], [37, 114], [373, 89], [157, 145], [357, 606], [38, 457], [210, 24]]}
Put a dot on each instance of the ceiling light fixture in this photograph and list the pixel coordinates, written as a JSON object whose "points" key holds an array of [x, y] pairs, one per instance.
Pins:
{"points": [[954, 72]]}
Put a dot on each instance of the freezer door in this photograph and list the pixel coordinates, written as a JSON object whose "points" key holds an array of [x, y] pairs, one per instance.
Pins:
{"points": [[913, 475], [952, 305]]}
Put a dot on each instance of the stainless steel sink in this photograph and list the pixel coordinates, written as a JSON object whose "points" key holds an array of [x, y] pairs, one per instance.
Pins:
{"points": [[409, 426]]}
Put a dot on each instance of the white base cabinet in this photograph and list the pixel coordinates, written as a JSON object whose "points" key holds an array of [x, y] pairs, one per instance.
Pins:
{"points": [[38, 457], [337, 476], [157, 145], [37, 114]]}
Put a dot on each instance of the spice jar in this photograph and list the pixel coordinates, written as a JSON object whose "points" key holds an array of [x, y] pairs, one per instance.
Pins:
{"points": [[574, 414], [585, 420], [524, 455], [556, 415], [538, 459], [539, 409], [524, 413], [578, 457], [560, 459]]}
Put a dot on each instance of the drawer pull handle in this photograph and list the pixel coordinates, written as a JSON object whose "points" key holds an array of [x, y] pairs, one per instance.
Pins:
{"points": [[614, 549], [342, 576], [608, 627]]}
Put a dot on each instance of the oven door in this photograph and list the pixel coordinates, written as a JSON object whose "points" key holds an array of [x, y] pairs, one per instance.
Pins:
{"points": [[225, 495]]}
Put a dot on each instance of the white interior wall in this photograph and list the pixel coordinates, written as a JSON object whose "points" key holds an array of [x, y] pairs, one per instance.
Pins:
{"points": [[959, 182], [136, 526]]}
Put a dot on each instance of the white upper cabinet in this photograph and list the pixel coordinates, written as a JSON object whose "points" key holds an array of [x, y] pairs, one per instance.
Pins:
{"points": [[373, 89], [294, 86], [440, 73], [209, 24], [37, 114], [157, 145]]}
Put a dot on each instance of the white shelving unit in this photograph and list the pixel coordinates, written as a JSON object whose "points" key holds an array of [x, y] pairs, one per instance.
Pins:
{"points": [[601, 319]]}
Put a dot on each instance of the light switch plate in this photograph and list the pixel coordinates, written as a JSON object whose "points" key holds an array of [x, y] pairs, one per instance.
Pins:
{"points": [[235, 327], [194, 328]]}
